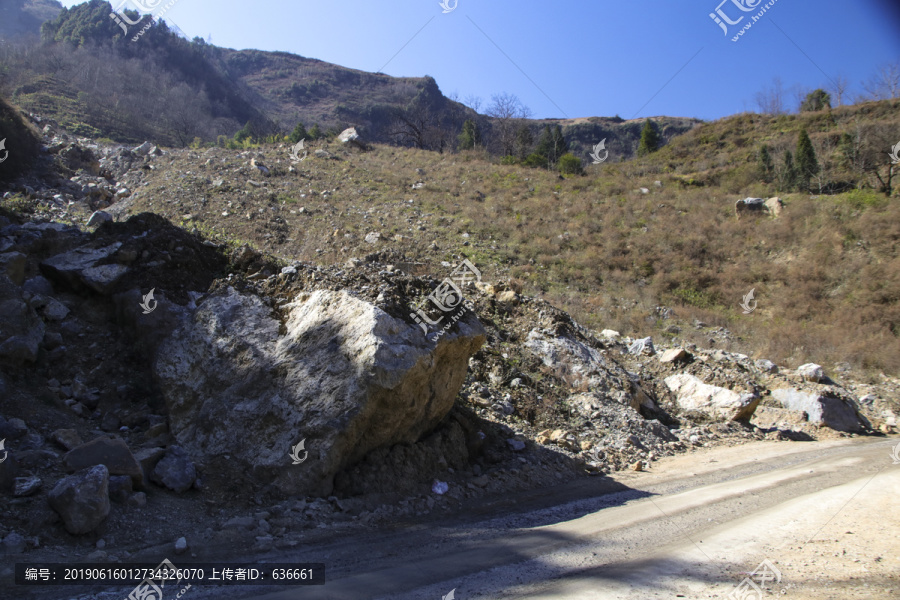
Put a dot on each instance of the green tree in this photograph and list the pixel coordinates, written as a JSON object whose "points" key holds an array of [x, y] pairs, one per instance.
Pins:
{"points": [[524, 141], [244, 133], [649, 139], [815, 101], [807, 164], [569, 164], [765, 165], [788, 176], [298, 134], [552, 145], [315, 133], [470, 137]]}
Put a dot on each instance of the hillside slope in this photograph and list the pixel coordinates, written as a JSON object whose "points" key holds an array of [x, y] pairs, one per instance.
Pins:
{"points": [[647, 247]]}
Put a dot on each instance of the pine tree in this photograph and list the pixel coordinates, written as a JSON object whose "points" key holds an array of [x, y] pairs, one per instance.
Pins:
{"points": [[298, 134], [765, 165], [244, 133], [788, 175], [524, 141], [649, 139], [471, 135], [807, 164], [315, 133], [552, 145]]}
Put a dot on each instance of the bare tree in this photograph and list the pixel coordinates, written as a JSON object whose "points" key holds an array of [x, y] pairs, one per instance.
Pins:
{"points": [[869, 154], [800, 94], [838, 89], [474, 102], [507, 111], [771, 100], [885, 84]]}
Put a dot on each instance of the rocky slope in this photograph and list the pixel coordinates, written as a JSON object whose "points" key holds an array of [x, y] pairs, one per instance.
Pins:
{"points": [[133, 419]]}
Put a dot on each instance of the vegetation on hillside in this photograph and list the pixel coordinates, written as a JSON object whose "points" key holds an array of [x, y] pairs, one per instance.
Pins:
{"points": [[613, 247]]}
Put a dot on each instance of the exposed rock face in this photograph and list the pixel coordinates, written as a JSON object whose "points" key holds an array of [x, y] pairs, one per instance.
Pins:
{"points": [[82, 499], [343, 375], [692, 394], [837, 413]]}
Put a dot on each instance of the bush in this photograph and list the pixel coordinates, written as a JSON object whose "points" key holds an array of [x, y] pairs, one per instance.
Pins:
{"points": [[535, 161], [569, 164]]}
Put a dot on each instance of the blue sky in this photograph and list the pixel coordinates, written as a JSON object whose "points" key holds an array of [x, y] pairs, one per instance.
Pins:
{"points": [[573, 58]]}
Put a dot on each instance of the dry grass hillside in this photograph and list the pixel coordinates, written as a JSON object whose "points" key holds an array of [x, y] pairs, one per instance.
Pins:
{"points": [[669, 261]]}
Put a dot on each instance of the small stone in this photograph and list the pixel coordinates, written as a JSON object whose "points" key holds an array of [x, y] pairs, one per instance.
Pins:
{"points": [[26, 486], [13, 429], [239, 523], [120, 488], [638, 466], [642, 346], [516, 445], [175, 470], [98, 218], [137, 499], [508, 297], [14, 543], [811, 372], [181, 545], [674, 355]]}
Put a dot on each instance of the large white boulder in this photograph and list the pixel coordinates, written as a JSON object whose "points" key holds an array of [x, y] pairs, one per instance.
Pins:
{"points": [[837, 413], [245, 384], [691, 393]]}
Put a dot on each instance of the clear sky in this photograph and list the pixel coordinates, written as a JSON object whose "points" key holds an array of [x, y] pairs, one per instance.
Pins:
{"points": [[573, 58]]}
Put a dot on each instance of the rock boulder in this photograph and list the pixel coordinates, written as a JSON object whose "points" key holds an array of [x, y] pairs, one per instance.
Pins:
{"points": [[837, 413], [243, 381], [82, 499], [691, 393]]}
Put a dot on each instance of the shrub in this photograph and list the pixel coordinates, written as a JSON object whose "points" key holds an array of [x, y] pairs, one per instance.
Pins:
{"points": [[569, 164]]}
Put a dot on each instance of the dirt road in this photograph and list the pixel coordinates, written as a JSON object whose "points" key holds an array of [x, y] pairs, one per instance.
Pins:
{"points": [[825, 514]]}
